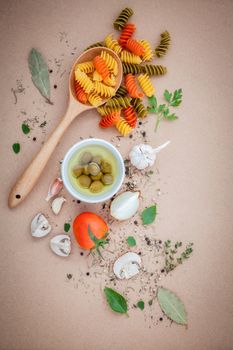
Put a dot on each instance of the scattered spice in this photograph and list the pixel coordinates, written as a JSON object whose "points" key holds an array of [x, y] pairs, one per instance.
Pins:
{"points": [[69, 276], [34, 138], [42, 125], [171, 258], [55, 86]]}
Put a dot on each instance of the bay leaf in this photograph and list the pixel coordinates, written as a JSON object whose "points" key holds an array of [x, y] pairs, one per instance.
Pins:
{"points": [[40, 73], [172, 306], [148, 215], [116, 301]]}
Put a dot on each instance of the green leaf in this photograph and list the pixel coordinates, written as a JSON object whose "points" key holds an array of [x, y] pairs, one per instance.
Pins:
{"points": [[25, 128], [172, 306], [161, 108], [171, 117], [152, 101], [16, 147], [176, 103], [39, 72], [116, 301], [148, 215], [141, 304], [166, 112], [152, 109], [131, 241], [167, 95], [66, 227]]}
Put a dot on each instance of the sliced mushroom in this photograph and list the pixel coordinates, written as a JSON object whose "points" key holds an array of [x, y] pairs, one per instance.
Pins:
{"points": [[127, 265], [61, 245], [57, 204], [40, 226]]}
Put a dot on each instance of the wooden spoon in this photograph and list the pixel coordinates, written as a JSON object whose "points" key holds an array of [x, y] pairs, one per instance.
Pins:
{"points": [[30, 176]]}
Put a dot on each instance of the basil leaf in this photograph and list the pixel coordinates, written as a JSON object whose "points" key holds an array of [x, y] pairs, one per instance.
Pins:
{"points": [[152, 101], [116, 301], [131, 241], [141, 304], [39, 72], [66, 227], [16, 147], [172, 306], [148, 215], [25, 129]]}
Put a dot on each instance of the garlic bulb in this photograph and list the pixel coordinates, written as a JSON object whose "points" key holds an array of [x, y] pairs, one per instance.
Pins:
{"points": [[57, 204], [61, 245], [143, 156], [127, 265], [54, 188], [125, 205], [40, 226]]}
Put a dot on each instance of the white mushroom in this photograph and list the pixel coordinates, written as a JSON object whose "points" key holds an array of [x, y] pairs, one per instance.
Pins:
{"points": [[127, 266], [57, 204], [61, 245], [40, 226]]}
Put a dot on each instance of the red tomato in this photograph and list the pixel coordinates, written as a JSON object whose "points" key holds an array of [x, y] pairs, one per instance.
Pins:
{"points": [[97, 226]]}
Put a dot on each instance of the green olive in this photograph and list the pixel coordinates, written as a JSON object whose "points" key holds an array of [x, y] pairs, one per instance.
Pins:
{"points": [[84, 181], [107, 179], [97, 177], [86, 158], [97, 159], [106, 167], [93, 168], [96, 186], [85, 170], [77, 170]]}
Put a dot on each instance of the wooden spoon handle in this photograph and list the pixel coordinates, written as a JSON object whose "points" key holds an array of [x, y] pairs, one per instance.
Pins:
{"points": [[30, 176]]}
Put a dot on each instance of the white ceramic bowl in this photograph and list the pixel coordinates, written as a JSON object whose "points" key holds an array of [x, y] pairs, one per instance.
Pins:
{"points": [[93, 198]]}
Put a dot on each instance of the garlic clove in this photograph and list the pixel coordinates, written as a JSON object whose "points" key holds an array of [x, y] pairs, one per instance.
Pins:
{"points": [[57, 204], [54, 188], [125, 205], [127, 266], [40, 226], [61, 245]]}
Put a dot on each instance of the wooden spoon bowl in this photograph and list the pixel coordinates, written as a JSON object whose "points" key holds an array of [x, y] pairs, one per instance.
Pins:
{"points": [[30, 176]]}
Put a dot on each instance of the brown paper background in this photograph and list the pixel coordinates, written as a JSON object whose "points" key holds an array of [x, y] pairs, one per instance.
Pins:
{"points": [[40, 308]]}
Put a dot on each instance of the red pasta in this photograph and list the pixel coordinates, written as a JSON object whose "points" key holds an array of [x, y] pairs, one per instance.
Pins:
{"points": [[101, 67], [110, 119], [126, 33], [131, 86], [130, 116], [135, 47], [79, 92]]}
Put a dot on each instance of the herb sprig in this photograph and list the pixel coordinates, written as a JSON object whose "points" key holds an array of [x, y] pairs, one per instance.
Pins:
{"points": [[171, 258], [163, 110]]}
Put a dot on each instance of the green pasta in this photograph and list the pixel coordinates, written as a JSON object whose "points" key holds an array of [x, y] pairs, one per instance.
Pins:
{"points": [[105, 110], [162, 48], [152, 69], [121, 92], [132, 68], [139, 107], [98, 44], [122, 102], [122, 19]]}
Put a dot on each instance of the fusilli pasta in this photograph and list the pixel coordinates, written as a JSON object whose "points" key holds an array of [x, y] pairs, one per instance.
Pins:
{"points": [[135, 47], [122, 102], [110, 119], [148, 54], [152, 69], [110, 62], [123, 127], [130, 116], [113, 44], [129, 57], [84, 81], [105, 110], [123, 17], [139, 107], [121, 92], [131, 86], [126, 33], [103, 90], [94, 99], [162, 48], [146, 85], [79, 92], [86, 67], [101, 66], [132, 68]]}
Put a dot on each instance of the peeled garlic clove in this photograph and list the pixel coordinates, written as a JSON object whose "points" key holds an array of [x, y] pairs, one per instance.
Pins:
{"points": [[125, 205], [54, 188], [40, 226], [57, 204], [127, 266], [61, 245]]}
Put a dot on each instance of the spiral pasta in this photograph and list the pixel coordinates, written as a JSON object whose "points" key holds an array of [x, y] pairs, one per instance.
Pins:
{"points": [[84, 81], [86, 67], [121, 92], [129, 57], [162, 48], [110, 81], [130, 116], [94, 99], [139, 107], [101, 66], [123, 17], [146, 85], [132, 68], [105, 110], [123, 127], [131, 86], [126, 33], [103, 90], [122, 102], [96, 76], [79, 92], [152, 69], [110, 62], [97, 44], [135, 47], [112, 44], [110, 119], [148, 54]]}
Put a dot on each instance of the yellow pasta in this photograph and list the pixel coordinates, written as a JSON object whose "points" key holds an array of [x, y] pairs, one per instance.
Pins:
{"points": [[84, 81], [86, 67], [113, 44], [148, 55], [96, 76], [146, 85], [111, 81], [129, 57], [103, 90], [94, 99], [123, 127], [110, 62]]}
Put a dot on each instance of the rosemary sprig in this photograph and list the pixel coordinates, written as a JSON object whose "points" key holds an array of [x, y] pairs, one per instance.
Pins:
{"points": [[172, 260]]}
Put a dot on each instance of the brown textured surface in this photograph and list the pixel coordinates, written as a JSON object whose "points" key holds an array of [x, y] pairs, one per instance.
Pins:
{"points": [[40, 308]]}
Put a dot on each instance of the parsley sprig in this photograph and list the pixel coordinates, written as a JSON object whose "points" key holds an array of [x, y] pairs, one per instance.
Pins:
{"points": [[163, 110]]}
